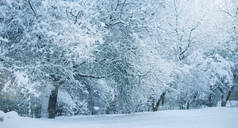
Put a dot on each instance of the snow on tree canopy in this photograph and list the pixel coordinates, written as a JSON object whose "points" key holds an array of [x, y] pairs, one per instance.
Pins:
{"points": [[89, 57]]}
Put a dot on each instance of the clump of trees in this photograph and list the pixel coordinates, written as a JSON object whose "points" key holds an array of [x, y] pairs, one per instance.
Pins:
{"points": [[69, 57]]}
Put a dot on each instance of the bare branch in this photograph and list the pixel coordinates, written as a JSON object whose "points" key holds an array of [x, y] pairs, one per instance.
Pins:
{"points": [[91, 76], [122, 8], [29, 2]]}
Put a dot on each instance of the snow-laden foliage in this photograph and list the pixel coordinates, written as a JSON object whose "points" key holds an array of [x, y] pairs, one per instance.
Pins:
{"points": [[71, 57]]}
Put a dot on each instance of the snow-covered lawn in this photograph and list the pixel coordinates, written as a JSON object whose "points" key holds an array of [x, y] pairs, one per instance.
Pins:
{"points": [[197, 118]]}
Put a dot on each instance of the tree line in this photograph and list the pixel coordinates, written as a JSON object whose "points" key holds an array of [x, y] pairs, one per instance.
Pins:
{"points": [[80, 57]]}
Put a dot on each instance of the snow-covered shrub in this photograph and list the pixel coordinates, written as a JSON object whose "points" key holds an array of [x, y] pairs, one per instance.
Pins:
{"points": [[20, 95], [11, 115]]}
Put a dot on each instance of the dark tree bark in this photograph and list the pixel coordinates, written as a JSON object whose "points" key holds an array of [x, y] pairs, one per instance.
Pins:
{"points": [[52, 103], [222, 97], [161, 99], [29, 2], [225, 96], [188, 105], [224, 102], [210, 100]]}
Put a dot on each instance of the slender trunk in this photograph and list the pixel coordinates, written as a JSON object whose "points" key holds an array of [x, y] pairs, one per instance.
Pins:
{"points": [[224, 102], [156, 107], [229, 93], [188, 105], [52, 103], [210, 97], [153, 103], [210, 100], [161, 99]]}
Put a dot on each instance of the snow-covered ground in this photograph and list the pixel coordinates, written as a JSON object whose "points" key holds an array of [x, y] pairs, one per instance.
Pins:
{"points": [[197, 118]]}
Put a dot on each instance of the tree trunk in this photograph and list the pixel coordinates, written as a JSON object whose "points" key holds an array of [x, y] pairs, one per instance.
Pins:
{"points": [[161, 99], [52, 103], [188, 105], [44, 104], [210, 100], [224, 102], [90, 100], [90, 97], [156, 107]]}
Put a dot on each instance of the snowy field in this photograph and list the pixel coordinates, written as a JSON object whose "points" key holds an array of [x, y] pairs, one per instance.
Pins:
{"points": [[199, 118]]}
